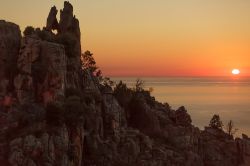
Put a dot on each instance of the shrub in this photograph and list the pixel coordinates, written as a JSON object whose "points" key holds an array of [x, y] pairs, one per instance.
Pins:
{"points": [[231, 130], [139, 85], [216, 123], [88, 63], [29, 30], [123, 94], [45, 35]]}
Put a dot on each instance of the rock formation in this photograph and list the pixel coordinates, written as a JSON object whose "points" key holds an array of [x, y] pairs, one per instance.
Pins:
{"points": [[10, 37], [42, 72], [70, 36], [54, 112], [52, 23]]}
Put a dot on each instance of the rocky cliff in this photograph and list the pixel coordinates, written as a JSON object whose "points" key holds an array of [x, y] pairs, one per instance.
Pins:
{"points": [[55, 112]]}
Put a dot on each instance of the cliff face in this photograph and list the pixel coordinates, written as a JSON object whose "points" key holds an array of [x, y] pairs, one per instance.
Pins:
{"points": [[41, 71], [10, 36], [70, 36], [52, 112]]}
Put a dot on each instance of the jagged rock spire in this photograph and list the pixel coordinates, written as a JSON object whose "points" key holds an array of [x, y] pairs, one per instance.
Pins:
{"points": [[52, 23], [70, 36], [68, 22], [66, 17]]}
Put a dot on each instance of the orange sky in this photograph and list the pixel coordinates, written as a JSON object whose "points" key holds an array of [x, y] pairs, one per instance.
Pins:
{"points": [[154, 38]]}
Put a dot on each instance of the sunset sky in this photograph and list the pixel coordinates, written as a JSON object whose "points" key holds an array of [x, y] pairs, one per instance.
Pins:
{"points": [[154, 37]]}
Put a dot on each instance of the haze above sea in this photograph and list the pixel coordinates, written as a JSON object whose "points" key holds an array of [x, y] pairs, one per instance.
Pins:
{"points": [[203, 97]]}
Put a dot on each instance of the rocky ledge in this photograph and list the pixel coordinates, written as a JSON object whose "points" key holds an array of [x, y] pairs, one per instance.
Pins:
{"points": [[57, 109]]}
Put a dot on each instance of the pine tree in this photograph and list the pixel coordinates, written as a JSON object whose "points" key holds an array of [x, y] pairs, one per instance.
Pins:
{"points": [[215, 122]]}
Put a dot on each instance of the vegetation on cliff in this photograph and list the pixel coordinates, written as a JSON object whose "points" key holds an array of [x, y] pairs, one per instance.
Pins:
{"points": [[61, 110]]}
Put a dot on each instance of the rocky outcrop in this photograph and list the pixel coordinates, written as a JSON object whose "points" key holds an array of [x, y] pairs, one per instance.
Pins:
{"points": [[54, 112], [113, 113], [69, 29], [46, 149], [68, 22], [243, 147], [52, 23], [42, 71], [182, 117], [10, 37], [70, 36], [218, 148], [142, 116]]}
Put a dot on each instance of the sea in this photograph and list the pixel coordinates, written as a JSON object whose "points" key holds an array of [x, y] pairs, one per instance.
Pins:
{"points": [[229, 97]]}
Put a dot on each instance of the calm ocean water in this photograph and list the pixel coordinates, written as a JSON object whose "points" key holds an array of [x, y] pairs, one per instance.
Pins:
{"points": [[227, 96]]}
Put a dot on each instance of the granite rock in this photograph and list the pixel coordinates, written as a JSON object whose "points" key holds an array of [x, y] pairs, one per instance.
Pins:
{"points": [[88, 123]]}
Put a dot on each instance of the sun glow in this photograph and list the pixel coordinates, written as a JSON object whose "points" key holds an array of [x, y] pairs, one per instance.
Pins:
{"points": [[235, 71]]}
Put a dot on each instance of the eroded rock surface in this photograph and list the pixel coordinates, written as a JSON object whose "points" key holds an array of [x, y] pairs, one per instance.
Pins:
{"points": [[10, 38], [53, 112], [42, 71], [52, 23]]}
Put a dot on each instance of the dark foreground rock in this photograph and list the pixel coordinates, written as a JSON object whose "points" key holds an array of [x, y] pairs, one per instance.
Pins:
{"points": [[53, 112]]}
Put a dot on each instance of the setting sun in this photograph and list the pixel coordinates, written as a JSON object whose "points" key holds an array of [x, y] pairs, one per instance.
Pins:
{"points": [[235, 71]]}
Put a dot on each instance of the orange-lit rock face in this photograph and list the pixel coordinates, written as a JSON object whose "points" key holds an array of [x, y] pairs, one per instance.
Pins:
{"points": [[24, 86], [114, 124], [44, 63], [48, 97], [55, 64], [8, 100]]}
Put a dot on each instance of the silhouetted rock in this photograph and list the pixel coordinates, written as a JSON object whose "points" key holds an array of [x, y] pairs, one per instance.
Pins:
{"points": [[68, 35], [70, 24], [52, 23], [182, 117], [142, 117], [53, 112]]}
